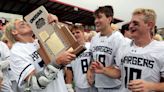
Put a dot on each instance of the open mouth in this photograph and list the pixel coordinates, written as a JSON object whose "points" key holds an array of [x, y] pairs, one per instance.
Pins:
{"points": [[132, 30]]}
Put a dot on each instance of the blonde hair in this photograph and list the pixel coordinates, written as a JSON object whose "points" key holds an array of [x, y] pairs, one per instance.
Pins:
{"points": [[9, 28], [158, 37], [3, 38], [88, 36], [149, 14]]}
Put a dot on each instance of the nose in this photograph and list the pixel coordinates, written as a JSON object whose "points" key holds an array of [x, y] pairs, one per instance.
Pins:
{"points": [[96, 20], [130, 25]]}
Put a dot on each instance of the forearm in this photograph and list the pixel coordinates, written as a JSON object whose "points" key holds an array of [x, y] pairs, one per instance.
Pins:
{"points": [[90, 76], [157, 87], [112, 72], [69, 76]]}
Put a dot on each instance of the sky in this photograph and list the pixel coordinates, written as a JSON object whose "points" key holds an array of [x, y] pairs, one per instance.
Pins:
{"points": [[123, 8]]}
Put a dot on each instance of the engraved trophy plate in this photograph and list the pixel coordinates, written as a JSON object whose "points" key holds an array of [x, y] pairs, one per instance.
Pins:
{"points": [[54, 38]]}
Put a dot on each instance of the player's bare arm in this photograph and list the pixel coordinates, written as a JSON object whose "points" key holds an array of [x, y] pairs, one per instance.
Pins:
{"points": [[145, 86], [90, 75], [69, 79], [69, 75], [110, 71]]}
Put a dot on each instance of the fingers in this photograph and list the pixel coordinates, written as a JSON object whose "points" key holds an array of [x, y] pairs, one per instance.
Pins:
{"points": [[136, 86], [52, 18], [68, 57], [94, 65], [65, 58], [97, 65]]}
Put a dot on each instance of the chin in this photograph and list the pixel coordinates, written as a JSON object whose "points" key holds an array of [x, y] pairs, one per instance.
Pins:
{"points": [[98, 29]]}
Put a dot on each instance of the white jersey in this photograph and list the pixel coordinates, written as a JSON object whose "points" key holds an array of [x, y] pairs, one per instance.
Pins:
{"points": [[4, 55], [4, 51], [24, 59], [80, 66], [145, 63], [103, 49]]}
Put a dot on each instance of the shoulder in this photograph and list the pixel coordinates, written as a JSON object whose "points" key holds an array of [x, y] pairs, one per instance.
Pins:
{"points": [[117, 33], [159, 45], [3, 47], [2, 44], [96, 36], [18, 48], [119, 39]]}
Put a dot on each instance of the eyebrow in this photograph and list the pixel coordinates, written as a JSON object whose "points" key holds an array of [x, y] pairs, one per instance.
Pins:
{"points": [[20, 22]]}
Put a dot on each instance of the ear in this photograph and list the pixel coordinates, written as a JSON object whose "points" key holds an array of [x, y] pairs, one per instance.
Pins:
{"points": [[150, 25], [14, 32], [110, 19]]}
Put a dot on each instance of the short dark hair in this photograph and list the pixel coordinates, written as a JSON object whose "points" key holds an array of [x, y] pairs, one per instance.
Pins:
{"points": [[107, 10], [124, 27]]}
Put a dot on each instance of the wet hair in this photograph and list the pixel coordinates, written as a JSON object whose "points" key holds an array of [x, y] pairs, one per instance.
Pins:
{"points": [[107, 10]]}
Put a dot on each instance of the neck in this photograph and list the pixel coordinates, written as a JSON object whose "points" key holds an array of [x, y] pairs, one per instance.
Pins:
{"points": [[142, 42], [25, 39], [106, 31], [82, 42]]}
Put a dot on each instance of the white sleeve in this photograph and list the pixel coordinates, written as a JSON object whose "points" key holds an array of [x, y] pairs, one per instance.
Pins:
{"points": [[117, 58], [119, 40], [21, 67], [162, 66], [5, 51]]}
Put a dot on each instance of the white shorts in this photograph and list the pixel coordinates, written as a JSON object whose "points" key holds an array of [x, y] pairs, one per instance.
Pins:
{"points": [[116, 89], [90, 89]]}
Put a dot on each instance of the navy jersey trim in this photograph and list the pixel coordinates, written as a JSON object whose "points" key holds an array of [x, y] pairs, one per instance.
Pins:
{"points": [[22, 72]]}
